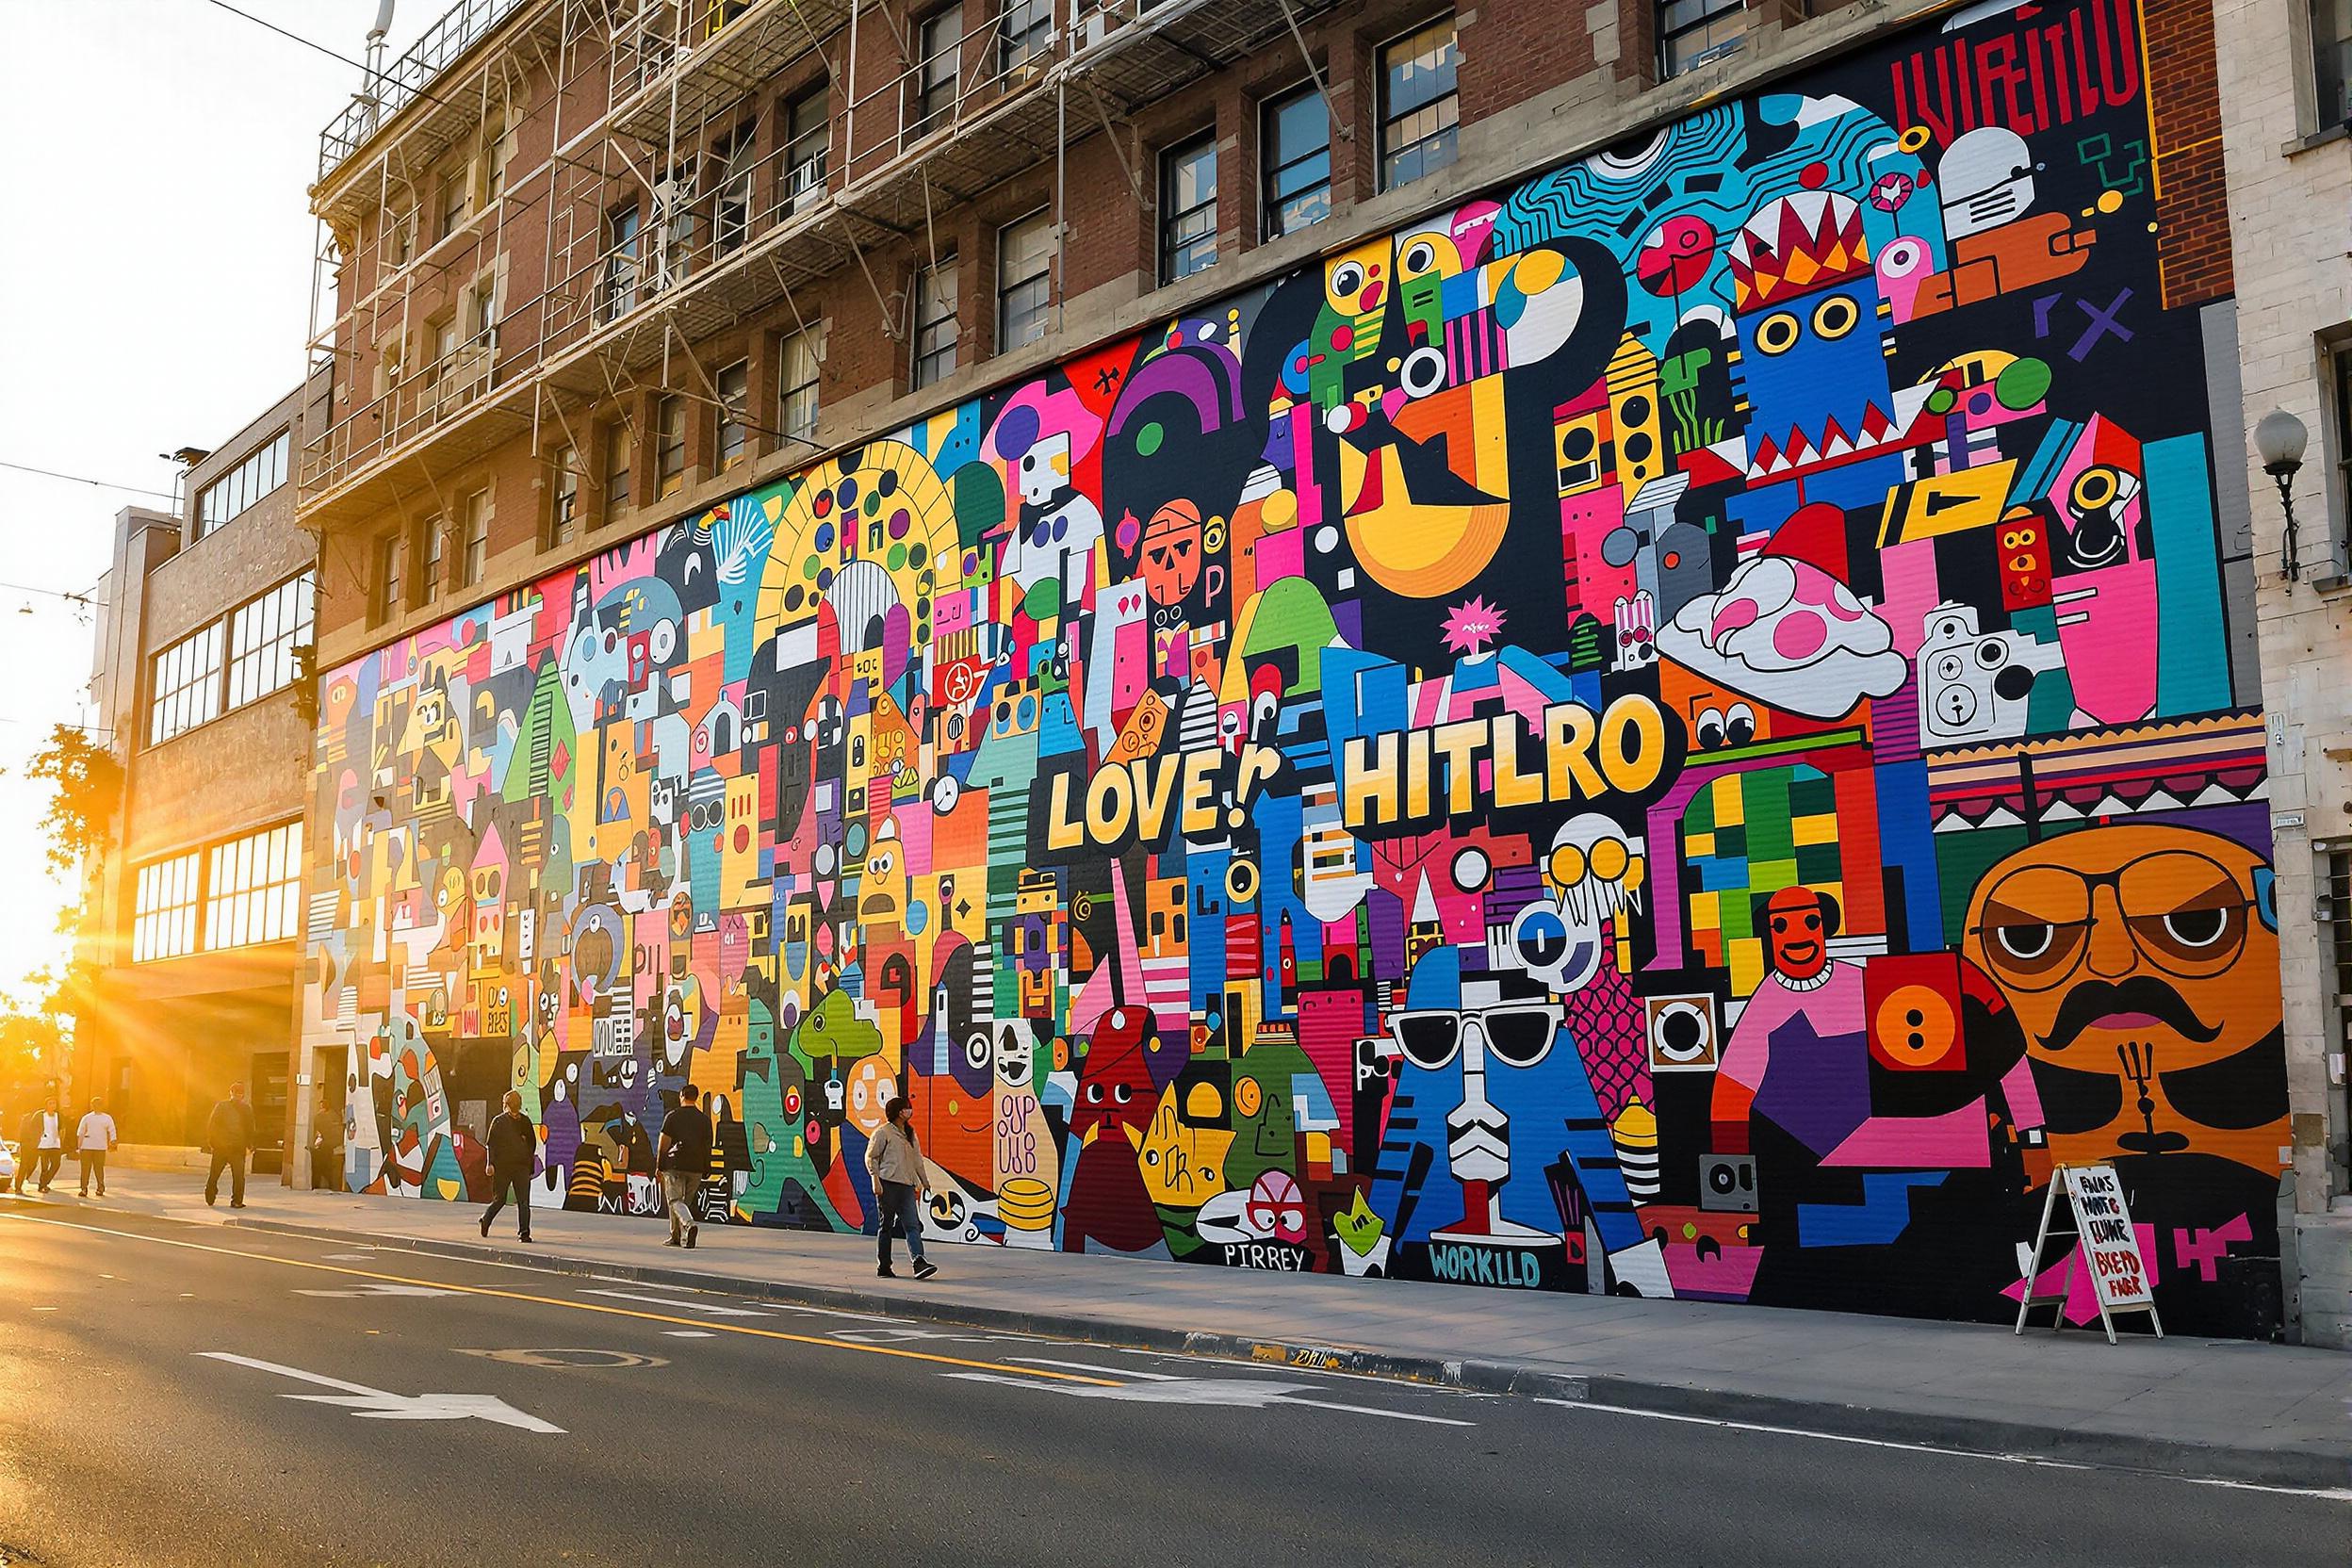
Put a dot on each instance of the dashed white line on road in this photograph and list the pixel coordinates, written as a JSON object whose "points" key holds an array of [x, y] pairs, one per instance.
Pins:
{"points": [[711, 1309], [690, 1333]]}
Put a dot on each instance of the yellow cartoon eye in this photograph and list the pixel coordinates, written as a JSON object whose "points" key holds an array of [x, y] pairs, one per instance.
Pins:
{"points": [[1778, 333], [2095, 487], [1567, 865], [1835, 316]]}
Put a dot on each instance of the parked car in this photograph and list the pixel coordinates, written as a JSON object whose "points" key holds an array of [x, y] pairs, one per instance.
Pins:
{"points": [[8, 1163]]}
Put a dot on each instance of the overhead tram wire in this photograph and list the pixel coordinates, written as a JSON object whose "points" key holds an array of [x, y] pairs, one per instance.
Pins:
{"points": [[84, 478], [369, 72]]}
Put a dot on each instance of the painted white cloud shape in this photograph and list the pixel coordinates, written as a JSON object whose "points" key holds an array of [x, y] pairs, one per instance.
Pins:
{"points": [[1789, 634]]}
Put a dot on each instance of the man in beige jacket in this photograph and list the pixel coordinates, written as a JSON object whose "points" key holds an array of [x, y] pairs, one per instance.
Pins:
{"points": [[895, 1160]]}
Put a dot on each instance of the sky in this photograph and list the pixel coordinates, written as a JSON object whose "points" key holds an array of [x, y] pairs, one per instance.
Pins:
{"points": [[155, 293]]}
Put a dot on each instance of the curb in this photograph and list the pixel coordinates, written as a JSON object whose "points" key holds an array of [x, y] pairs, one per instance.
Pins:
{"points": [[1976, 1435]]}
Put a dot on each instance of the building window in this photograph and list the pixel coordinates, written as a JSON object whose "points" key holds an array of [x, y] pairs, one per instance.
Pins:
{"points": [[617, 464], [254, 889], [436, 543], [1692, 32], [802, 361], [399, 237], [183, 689], [1024, 32], [622, 236], [935, 322], [669, 446], [733, 159], [933, 80], [1419, 105], [734, 411], [1295, 154], [808, 138], [564, 498], [473, 556], [391, 569], [221, 501], [163, 909], [1024, 279], [451, 204], [264, 634], [2331, 43], [1188, 207]]}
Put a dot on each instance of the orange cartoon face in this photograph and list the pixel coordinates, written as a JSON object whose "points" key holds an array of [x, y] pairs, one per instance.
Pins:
{"points": [[1798, 924], [2142, 962]]}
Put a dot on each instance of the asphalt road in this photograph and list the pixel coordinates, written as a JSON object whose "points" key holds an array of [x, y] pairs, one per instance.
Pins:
{"points": [[176, 1393]]}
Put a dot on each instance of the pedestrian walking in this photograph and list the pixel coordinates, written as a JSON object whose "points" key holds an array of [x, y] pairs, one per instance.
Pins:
{"points": [[93, 1140], [229, 1136], [514, 1144], [682, 1161], [895, 1160], [40, 1145]]}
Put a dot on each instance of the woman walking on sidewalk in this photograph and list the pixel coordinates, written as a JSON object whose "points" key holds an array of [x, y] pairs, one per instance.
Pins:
{"points": [[895, 1160]]}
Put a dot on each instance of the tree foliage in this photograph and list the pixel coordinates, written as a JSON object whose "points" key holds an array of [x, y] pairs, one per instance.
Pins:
{"points": [[85, 784]]}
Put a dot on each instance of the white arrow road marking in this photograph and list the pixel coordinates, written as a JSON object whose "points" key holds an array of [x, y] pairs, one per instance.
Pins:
{"points": [[375, 1404], [374, 1289], [711, 1309], [1247, 1393]]}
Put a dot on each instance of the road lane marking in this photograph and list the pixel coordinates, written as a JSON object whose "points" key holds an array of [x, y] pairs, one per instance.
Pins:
{"points": [[1230, 1392], [1106, 1371], [755, 1331], [2340, 1495], [375, 1404], [376, 1289], [690, 1333], [715, 1309]]}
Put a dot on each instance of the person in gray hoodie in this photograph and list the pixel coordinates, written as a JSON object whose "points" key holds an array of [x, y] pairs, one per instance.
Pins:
{"points": [[895, 1160]]}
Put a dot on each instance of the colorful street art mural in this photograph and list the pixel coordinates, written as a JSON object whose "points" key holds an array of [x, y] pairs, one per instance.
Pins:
{"points": [[1671, 732]]}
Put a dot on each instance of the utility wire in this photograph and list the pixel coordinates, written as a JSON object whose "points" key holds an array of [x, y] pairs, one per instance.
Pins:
{"points": [[81, 479], [360, 66]]}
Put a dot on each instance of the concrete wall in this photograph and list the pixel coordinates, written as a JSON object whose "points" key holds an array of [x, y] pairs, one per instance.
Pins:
{"points": [[2289, 189]]}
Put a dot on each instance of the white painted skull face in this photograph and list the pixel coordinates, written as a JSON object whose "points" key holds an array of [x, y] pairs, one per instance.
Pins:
{"points": [[1987, 179], [1016, 1056]]}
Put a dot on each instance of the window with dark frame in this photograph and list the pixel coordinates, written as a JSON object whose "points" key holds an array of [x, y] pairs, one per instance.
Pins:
{"points": [[1024, 279], [935, 322], [1024, 32], [734, 160], [734, 385], [933, 82], [183, 685], [263, 636], [473, 555], [1188, 207], [808, 146], [227, 497], [164, 908], [1295, 162], [669, 445], [1419, 107], [1692, 32], [800, 364], [564, 498], [623, 237], [391, 571], [254, 888], [452, 201], [617, 445]]}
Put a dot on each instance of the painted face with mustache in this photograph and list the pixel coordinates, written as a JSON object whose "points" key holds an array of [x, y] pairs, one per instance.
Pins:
{"points": [[2142, 962]]}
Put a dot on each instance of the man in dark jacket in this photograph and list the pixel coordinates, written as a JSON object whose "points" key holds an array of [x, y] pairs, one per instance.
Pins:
{"points": [[230, 1136], [683, 1161], [514, 1144]]}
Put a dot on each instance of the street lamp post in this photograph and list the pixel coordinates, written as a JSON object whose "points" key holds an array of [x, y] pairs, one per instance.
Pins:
{"points": [[2280, 438]]}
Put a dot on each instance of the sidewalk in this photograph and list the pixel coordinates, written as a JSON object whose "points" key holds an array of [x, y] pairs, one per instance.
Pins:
{"points": [[2206, 1407]]}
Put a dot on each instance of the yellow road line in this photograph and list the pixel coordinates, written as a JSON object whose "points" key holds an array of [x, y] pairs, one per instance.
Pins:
{"points": [[716, 1324]]}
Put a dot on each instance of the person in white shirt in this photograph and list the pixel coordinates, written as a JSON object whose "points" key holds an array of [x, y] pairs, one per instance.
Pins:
{"points": [[93, 1139], [40, 1145]]}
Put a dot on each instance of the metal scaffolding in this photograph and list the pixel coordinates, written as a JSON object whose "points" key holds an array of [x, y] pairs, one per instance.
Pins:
{"points": [[652, 105]]}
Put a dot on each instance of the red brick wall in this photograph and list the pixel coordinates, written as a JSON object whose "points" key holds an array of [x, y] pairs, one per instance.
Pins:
{"points": [[2184, 100]]}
